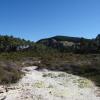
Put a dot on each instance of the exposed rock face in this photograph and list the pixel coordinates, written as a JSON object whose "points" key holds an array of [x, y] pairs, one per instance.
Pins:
{"points": [[66, 43]]}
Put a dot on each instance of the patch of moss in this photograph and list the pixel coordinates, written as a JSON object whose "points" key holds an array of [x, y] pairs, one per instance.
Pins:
{"points": [[62, 75], [52, 75], [39, 84], [84, 83]]}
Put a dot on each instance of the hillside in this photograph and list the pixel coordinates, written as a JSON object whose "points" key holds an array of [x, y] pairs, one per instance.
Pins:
{"points": [[72, 44], [10, 43], [63, 38]]}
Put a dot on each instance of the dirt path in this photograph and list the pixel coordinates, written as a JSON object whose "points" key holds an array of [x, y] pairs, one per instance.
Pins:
{"points": [[50, 85]]}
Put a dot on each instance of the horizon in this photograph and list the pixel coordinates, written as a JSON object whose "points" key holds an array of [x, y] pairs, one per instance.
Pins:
{"points": [[46, 37], [35, 19]]}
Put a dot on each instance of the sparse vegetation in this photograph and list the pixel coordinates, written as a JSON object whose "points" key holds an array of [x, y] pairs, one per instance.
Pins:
{"points": [[83, 64], [39, 84], [9, 75]]}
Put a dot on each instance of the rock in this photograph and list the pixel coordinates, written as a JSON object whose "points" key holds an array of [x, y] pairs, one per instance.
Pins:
{"points": [[3, 98], [98, 92], [2, 90]]}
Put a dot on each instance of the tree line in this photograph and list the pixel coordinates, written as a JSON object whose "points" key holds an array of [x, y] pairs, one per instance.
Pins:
{"points": [[10, 43]]}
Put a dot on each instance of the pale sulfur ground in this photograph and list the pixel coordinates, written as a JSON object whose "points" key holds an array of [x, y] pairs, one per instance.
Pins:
{"points": [[50, 85]]}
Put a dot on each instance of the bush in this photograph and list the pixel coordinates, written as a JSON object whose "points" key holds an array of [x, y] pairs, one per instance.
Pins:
{"points": [[9, 74]]}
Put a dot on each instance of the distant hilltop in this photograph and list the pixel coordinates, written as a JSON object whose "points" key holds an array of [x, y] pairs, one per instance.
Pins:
{"points": [[72, 44]]}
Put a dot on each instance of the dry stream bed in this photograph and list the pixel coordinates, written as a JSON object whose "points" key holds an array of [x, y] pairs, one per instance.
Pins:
{"points": [[50, 85]]}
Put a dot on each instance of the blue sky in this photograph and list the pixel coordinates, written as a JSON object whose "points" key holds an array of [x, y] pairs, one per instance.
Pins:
{"points": [[36, 19]]}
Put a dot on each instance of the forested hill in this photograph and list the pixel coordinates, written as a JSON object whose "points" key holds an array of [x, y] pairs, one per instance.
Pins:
{"points": [[10, 43], [64, 38], [73, 44]]}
